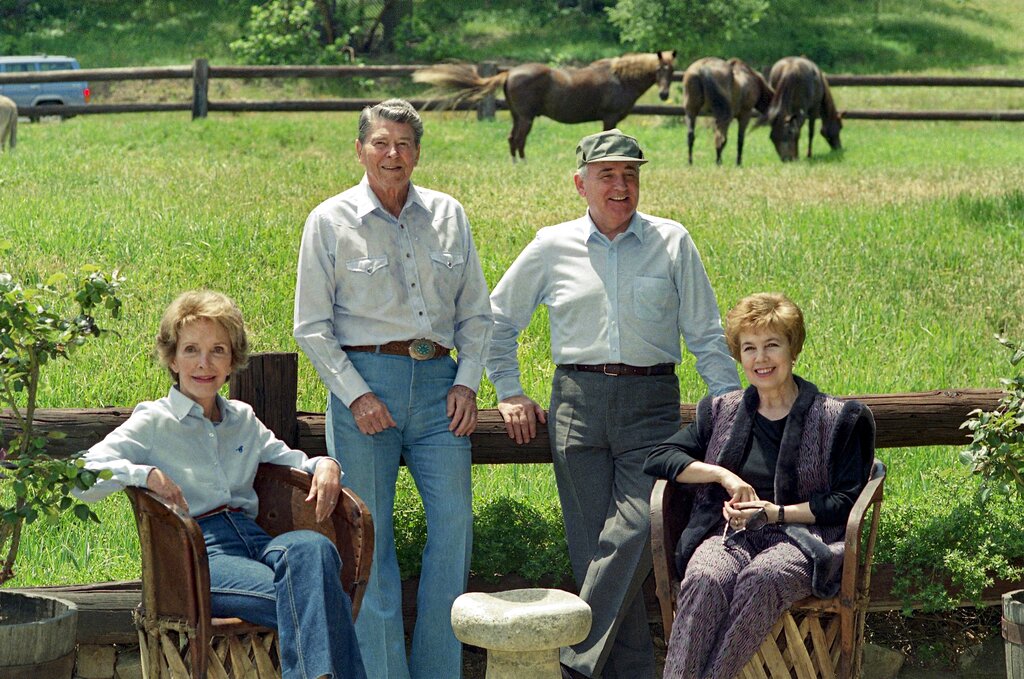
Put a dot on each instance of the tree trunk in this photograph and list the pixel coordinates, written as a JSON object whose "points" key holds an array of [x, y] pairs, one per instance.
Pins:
{"points": [[394, 13]]}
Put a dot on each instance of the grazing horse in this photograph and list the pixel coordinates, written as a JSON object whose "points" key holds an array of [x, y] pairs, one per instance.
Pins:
{"points": [[8, 123], [605, 90], [728, 89], [801, 92]]}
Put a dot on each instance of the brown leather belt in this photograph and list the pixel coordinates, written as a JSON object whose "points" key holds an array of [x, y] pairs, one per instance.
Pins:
{"points": [[615, 369], [216, 510], [420, 349]]}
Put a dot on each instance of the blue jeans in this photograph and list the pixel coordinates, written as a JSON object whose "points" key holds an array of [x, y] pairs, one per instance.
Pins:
{"points": [[291, 583], [415, 393]]}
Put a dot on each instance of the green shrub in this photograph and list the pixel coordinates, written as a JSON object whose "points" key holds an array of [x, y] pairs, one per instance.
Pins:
{"points": [[957, 535], [996, 452], [288, 32], [510, 536]]}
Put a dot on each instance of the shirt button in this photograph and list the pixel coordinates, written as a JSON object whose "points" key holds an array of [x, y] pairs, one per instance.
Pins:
{"points": [[408, 255], [421, 313], [414, 285]]}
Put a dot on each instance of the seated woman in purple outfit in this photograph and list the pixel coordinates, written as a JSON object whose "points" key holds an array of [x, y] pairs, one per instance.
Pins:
{"points": [[775, 470], [200, 451]]}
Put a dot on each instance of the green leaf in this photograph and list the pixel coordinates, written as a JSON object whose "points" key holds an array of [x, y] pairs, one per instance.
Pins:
{"points": [[83, 513]]}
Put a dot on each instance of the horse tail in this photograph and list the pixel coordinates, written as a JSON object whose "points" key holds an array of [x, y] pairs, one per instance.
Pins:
{"points": [[458, 82], [765, 96], [721, 106]]}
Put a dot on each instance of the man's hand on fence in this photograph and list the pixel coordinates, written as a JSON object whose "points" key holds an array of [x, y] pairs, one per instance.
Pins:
{"points": [[521, 414]]}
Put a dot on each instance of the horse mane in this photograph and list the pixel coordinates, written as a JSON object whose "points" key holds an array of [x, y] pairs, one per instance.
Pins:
{"points": [[634, 66], [827, 102], [783, 94]]}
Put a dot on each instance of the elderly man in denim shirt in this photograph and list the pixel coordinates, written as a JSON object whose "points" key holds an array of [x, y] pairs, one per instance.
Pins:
{"points": [[389, 282], [620, 287]]}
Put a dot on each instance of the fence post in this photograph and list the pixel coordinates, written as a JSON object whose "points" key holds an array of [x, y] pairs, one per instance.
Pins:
{"points": [[271, 386], [488, 105], [200, 88]]}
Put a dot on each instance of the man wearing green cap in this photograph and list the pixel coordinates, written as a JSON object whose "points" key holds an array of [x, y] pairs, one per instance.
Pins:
{"points": [[621, 287]]}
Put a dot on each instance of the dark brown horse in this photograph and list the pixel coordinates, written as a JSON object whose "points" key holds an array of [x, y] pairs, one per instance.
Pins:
{"points": [[726, 89], [801, 93], [605, 90]]}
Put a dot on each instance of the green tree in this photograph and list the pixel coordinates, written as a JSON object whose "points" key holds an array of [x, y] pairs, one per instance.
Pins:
{"points": [[41, 323], [683, 24]]}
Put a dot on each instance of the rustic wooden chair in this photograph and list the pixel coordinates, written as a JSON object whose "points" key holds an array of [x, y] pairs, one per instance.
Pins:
{"points": [[816, 637], [178, 637]]}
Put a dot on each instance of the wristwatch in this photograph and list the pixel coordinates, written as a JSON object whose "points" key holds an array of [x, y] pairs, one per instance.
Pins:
{"points": [[781, 516]]}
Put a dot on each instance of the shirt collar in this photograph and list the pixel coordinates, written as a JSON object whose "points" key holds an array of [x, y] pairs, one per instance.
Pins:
{"points": [[182, 406], [636, 227], [367, 201]]}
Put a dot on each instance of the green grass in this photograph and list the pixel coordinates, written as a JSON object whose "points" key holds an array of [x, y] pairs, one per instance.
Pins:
{"points": [[904, 252]]}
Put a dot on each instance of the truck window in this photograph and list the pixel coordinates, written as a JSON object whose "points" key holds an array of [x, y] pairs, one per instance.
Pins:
{"points": [[55, 66]]}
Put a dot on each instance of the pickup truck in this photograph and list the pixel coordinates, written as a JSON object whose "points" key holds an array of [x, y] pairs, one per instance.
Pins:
{"points": [[36, 94]]}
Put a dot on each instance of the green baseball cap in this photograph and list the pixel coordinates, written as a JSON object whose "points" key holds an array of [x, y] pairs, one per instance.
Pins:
{"points": [[610, 145]]}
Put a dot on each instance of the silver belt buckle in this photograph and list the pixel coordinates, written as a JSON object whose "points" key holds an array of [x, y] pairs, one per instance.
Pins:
{"points": [[422, 349]]}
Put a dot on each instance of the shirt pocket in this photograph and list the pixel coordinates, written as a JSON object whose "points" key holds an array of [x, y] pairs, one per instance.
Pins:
{"points": [[652, 298], [369, 279], [448, 267]]}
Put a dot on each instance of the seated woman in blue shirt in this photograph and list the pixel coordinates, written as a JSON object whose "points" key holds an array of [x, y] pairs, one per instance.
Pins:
{"points": [[775, 470], [200, 452]]}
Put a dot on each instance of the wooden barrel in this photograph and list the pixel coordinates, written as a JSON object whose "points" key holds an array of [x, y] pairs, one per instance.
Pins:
{"points": [[1013, 633], [37, 636]]}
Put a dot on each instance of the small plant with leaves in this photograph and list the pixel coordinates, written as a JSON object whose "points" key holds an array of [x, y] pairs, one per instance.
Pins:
{"points": [[996, 451], [41, 322]]}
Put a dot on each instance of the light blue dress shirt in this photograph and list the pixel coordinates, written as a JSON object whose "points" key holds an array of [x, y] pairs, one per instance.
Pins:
{"points": [[214, 464], [365, 277], [625, 300]]}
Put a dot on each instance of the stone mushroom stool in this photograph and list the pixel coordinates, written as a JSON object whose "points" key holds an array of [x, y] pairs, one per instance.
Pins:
{"points": [[522, 629]]}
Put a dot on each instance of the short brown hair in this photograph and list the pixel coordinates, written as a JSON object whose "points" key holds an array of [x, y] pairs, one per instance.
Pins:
{"points": [[196, 305], [765, 311]]}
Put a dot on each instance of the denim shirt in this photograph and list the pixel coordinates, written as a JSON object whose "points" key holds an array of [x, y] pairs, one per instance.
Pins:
{"points": [[213, 463], [626, 300], [366, 277]]}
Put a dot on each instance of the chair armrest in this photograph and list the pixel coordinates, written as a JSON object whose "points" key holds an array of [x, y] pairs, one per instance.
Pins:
{"points": [[857, 562], [175, 573], [282, 493], [670, 511]]}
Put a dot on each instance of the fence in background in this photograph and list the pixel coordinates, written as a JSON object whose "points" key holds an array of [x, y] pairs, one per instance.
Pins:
{"points": [[201, 72]]}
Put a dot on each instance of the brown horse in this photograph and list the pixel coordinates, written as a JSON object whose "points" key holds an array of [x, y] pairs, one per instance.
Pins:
{"points": [[728, 89], [801, 93], [8, 123], [605, 90]]}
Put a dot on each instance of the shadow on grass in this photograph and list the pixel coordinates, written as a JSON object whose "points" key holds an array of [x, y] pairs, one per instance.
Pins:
{"points": [[1005, 211], [854, 39]]}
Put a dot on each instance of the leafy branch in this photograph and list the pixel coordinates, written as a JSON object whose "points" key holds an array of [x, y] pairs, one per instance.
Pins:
{"points": [[40, 323], [996, 451]]}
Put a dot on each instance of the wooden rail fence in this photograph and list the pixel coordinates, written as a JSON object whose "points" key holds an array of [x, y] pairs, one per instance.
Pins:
{"points": [[270, 385], [201, 72]]}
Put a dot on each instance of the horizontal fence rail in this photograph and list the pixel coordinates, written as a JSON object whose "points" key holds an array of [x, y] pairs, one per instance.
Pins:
{"points": [[200, 72], [270, 385]]}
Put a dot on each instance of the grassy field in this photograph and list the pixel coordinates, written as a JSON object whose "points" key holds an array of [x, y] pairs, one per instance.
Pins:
{"points": [[904, 251]]}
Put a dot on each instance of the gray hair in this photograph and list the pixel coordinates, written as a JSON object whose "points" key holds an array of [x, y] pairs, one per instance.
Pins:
{"points": [[395, 110]]}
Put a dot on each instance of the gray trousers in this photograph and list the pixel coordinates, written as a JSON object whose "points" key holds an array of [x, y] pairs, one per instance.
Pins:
{"points": [[602, 428]]}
